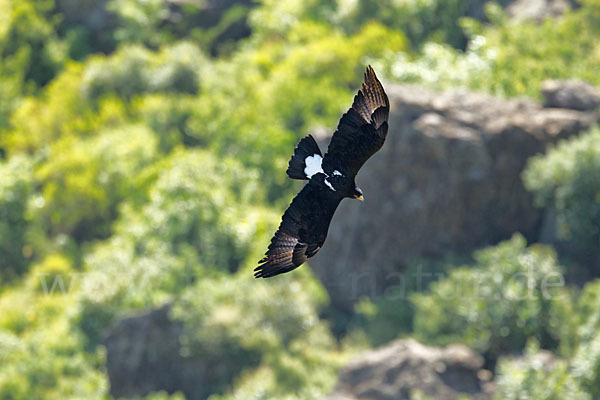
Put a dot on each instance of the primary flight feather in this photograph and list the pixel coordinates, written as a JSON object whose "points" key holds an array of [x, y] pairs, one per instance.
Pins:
{"points": [[303, 229]]}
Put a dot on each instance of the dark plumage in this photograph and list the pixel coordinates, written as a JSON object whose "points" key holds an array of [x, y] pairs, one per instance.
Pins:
{"points": [[303, 229]]}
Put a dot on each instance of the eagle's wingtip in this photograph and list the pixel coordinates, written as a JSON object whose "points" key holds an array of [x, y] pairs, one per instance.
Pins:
{"points": [[370, 72]]}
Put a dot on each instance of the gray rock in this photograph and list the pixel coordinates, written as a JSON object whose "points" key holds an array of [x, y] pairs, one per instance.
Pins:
{"points": [[538, 10], [143, 356], [573, 94], [402, 367], [447, 179]]}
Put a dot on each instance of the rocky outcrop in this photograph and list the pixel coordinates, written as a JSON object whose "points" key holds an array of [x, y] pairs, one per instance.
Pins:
{"points": [[403, 367], [143, 356], [572, 94], [538, 10], [447, 179]]}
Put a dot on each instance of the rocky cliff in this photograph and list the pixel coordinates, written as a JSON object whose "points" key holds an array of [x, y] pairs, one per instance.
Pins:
{"points": [[447, 179]]}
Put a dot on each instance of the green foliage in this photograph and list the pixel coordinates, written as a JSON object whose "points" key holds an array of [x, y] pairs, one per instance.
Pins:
{"points": [[532, 376], [392, 314], [198, 221], [215, 27], [513, 294], [54, 274], [41, 355], [15, 191], [441, 67], [555, 49], [566, 181], [238, 323], [510, 58], [28, 40], [30, 53], [135, 70], [585, 363], [198, 203], [162, 396], [48, 364], [59, 112], [141, 21], [82, 181], [588, 312], [169, 116], [577, 377], [585, 367], [419, 20]]}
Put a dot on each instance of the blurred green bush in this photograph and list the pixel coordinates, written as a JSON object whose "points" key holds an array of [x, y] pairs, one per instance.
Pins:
{"points": [[199, 220], [435, 20], [537, 375], [82, 181], [577, 376], [565, 180], [513, 293], [238, 323], [15, 190], [508, 57]]}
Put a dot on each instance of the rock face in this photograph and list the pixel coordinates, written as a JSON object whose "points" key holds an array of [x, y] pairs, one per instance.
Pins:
{"points": [[447, 179], [143, 356], [402, 367], [538, 10], [573, 94]]}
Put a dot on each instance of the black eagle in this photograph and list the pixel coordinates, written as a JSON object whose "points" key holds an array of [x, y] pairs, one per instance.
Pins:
{"points": [[360, 133]]}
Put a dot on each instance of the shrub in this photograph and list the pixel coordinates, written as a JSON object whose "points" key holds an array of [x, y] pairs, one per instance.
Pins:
{"points": [[508, 57], [29, 39], [169, 116], [392, 314], [537, 375], [15, 190], [235, 323], [545, 376], [585, 364], [566, 181], [507, 298], [134, 70], [198, 221], [419, 20], [83, 181]]}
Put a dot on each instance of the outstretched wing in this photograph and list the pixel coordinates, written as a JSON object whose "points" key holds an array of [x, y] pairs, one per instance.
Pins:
{"points": [[302, 231], [362, 130]]}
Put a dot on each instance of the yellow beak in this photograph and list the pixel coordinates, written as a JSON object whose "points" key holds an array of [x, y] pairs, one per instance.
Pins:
{"points": [[359, 197]]}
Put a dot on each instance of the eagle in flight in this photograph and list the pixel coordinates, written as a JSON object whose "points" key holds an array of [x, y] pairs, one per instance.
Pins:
{"points": [[303, 229]]}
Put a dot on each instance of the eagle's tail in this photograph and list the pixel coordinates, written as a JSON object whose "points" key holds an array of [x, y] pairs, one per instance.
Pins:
{"points": [[306, 160]]}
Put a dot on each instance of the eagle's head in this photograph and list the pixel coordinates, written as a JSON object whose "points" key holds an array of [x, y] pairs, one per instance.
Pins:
{"points": [[357, 193]]}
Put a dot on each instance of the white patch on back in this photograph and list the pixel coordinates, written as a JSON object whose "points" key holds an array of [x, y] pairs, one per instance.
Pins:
{"points": [[313, 165], [328, 184], [336, 172]]}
